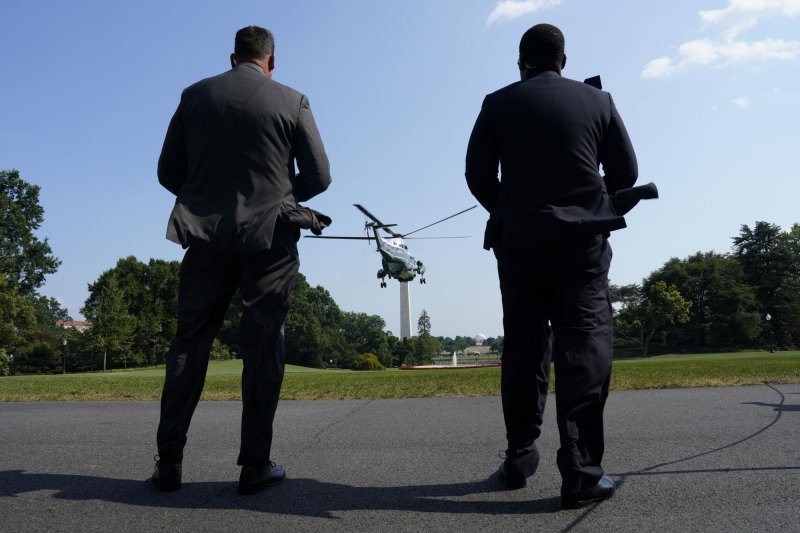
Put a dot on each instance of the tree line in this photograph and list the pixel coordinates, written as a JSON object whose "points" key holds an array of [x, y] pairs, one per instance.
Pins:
{"points": [[748, 298], [133, 308]]}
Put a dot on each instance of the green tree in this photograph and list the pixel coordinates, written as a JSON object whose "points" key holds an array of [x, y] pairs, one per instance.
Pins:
{"points": [[5, 363], [112, 324], [44, 330], [365, 334], [791, 291], [497, 344], [770, 260], [82, 352], [403, 351], [24, 259], [149, 293], [660, 306], [16, 315], [626, 294], [425, 345], [319, 334], [459, 344], [725, 311], [48, 311], [313, 328], [424, 323]]}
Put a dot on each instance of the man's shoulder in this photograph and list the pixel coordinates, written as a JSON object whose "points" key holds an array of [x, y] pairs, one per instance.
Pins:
{"points": [[209, 80], [503, 91], [283, 89], [556, 86], [237, 76]]}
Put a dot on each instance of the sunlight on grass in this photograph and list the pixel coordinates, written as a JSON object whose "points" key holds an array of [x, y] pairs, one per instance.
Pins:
{"points": [[223, 382]]}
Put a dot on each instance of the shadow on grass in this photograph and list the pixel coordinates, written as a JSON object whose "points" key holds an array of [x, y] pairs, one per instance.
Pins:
{"points": [[301, 497]]}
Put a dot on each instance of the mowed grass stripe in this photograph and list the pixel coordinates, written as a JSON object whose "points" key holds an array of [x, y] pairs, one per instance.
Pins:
{"points": [[223, 381]]}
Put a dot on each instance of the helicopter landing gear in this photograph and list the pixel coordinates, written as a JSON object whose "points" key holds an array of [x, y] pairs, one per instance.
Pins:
{"points": [[383, 284], [422, 281]]}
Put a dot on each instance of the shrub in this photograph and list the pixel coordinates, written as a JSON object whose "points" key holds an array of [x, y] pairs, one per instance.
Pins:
{"points": [[367, 361], [39, 357], [5, 363], [219, 350]]}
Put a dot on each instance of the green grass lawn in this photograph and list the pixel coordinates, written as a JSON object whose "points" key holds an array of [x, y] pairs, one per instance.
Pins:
{"points": [[223, 382]]}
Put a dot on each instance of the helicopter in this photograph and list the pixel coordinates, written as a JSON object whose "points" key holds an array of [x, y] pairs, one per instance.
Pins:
{"points": [[396, 261]]}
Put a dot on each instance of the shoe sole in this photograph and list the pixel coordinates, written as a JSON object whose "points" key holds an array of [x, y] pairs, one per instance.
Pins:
{"points": [[255, 489], [166, 487], [512, 482], [580, 504]]}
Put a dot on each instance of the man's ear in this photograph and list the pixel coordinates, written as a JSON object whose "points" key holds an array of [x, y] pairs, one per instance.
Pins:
{"points": [[564, 61], [233, 60], [271, 62]]}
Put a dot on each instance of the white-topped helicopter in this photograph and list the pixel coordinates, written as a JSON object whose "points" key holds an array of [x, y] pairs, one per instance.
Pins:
{"points": [[397, 261]]}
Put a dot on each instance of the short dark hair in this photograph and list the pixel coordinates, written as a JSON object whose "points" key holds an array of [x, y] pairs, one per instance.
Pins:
{"points": [[252, 42], [542, 46]]}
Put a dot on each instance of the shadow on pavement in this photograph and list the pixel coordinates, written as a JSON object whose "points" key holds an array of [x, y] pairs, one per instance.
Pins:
{"points": [[302, 497], [780, 407]]}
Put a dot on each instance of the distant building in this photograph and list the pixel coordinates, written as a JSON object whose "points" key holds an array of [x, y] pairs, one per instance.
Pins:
{"points": [[479, 338], [80, 325]]}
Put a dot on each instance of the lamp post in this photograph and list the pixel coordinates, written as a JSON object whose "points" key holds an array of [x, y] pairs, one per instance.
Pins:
{"points": [[64, 368], [771, 333]]}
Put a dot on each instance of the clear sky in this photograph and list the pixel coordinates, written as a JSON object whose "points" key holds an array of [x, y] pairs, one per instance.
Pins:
{"points": [[708, 89]]}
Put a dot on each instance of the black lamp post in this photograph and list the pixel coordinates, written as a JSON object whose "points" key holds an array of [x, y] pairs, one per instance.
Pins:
{"points": [[64, 369]]}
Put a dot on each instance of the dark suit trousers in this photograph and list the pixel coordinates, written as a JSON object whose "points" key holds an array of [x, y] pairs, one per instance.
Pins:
{"points": [[563, 287], [208, 280]]}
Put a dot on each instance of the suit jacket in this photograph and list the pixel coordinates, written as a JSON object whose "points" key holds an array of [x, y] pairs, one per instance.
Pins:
{"points": [[229, 157], [549, 135]]}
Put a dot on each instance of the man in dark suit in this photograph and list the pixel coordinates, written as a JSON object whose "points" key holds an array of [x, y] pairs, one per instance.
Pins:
{"points": [[229, 157], [550, 215]]}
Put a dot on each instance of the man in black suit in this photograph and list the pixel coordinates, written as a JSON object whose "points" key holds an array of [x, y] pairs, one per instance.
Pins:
{"points": [[229, 157], [550, 215]]}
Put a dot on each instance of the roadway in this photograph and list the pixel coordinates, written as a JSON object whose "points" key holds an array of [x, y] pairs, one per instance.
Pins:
{"points": [[714, 459]]}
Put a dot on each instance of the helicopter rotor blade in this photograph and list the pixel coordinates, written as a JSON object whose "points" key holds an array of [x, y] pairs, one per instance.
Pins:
{"points": [[438, 221], [457, 237], [336, 237], [384, 227]]}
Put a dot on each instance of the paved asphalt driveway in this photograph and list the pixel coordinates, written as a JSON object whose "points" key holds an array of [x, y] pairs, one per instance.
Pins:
{"points": [[719, 459]]}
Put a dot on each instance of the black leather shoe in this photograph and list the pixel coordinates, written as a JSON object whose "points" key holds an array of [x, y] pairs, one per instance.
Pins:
{"points": [[511, 475], [167, 477], [518, 466], [254, 479], [602, 491]]}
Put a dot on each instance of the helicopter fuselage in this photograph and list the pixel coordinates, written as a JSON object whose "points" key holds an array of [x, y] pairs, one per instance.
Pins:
{"points": [[397, 262]]}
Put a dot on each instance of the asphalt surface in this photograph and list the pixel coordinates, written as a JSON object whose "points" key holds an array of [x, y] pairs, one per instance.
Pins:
{"points": [[718, 459]]}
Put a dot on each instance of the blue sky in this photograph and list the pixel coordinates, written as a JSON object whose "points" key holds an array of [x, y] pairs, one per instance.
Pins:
{"points": [[707, 88]]}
